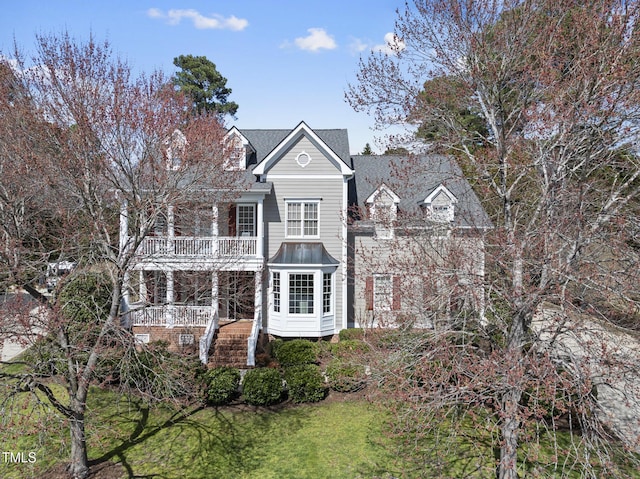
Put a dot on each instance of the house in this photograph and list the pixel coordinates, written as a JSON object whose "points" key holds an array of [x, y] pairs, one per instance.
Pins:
{"points": [[280, 259], [416, 235]]}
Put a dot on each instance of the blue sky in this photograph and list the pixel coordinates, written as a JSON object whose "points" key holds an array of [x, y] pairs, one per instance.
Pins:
{"points": [[285, 61]]}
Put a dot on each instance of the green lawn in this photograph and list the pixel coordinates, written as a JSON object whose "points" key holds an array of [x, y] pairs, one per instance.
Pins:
{"points": [[330, 439], [326, 440]]}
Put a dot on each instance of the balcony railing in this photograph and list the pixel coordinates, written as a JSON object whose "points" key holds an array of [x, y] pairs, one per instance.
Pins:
{"points": [[190, 316], [186, 246]]}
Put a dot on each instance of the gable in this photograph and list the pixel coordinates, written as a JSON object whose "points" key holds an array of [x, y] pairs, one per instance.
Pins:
{"points": [[304, 152]]}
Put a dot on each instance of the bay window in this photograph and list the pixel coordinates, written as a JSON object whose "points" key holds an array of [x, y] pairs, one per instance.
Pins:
{"points": [[301, 293]]}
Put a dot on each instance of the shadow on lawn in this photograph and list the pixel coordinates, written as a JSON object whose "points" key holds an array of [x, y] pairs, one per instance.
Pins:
{"points": [[216, 443]]}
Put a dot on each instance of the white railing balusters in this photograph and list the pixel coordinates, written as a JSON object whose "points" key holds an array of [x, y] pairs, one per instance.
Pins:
{"points": [[221, 246], [252, 340], [195, 316], [207, 338]]}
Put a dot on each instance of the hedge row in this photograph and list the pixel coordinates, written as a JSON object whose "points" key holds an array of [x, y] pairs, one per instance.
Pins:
{"points": [[303, 380]]}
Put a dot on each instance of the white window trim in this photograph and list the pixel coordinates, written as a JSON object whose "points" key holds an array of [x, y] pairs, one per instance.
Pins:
{"points": [[376, 304], [331, 293], [186, 339], [451, 205], [301, 164], [384, 231], [315, 313], [318, 315], [286, 217], [255, 221], [273, 291]]}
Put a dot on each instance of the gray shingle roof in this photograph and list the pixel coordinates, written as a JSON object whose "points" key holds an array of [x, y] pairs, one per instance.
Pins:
{"points": [[413, 178], [264, 141]]}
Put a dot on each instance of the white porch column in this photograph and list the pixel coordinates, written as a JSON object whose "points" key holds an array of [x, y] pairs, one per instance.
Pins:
{"points": [[142, 289], [258, 294], [214, 291], [215, 232], [170, 300], [260, 230], [170, 230], [124, 226]]}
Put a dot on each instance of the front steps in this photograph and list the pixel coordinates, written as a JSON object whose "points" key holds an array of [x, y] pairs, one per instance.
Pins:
{"points": [[229, 346]]}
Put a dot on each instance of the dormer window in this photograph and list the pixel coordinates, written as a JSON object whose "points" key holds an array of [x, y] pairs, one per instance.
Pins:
{"points": [[237, 149], [383, 210], [236, 157], [440, 205], [176, 145]]}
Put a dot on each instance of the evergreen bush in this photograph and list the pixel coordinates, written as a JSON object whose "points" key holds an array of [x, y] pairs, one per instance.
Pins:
{"points": [[222, 385], [297, 352], [262, 387], [305, 383]]}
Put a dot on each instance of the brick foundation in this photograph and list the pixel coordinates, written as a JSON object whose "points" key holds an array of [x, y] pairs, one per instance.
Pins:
{"points": [[172, 336]]}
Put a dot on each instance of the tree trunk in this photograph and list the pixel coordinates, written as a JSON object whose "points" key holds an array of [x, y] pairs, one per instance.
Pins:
{"points": [[79, 467], [507, 468]]}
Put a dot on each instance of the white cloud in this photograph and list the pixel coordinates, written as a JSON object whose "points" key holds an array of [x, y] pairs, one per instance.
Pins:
{"points": [[317, 39], [357, 46], [393, 45], [201, 22]]}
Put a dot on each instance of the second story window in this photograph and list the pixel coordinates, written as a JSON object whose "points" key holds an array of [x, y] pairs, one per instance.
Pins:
{"points": [[246, 220], [303, 219]]}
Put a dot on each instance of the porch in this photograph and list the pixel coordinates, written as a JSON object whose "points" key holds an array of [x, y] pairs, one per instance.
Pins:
{"points": [[155, 247], [171, 315]]}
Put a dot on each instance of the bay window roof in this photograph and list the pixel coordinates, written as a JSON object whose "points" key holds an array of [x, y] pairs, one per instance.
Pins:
{"points": [[299, 253]]}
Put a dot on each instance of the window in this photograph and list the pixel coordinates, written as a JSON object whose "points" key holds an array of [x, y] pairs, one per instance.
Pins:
{"points": [[383, 208], [303, 159], [301, 293], [326, 293], [142, 338], [276, 291], [246, 220], [302, 219], [382, 292], [185, 339], [440, 205], [442, 212]]}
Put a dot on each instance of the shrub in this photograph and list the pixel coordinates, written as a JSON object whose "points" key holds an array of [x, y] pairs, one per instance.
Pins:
{"points": [[349, 346], [262, 387], [345, 376], [297, 352], [353, 333], [305, 383], [222, 385], [273, 347]]}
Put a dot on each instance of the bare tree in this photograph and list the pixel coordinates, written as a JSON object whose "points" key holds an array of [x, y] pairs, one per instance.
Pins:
{"points": [[91, 141], [538, 101]]}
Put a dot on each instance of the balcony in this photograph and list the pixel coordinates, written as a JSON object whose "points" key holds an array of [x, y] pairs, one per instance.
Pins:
{"points": [[198, 247], [186, 316]]}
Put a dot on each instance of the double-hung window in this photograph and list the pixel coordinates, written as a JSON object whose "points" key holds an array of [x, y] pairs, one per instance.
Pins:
{"points": [[276, 291], [326, 293], [382, 292], [302, 219]]}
